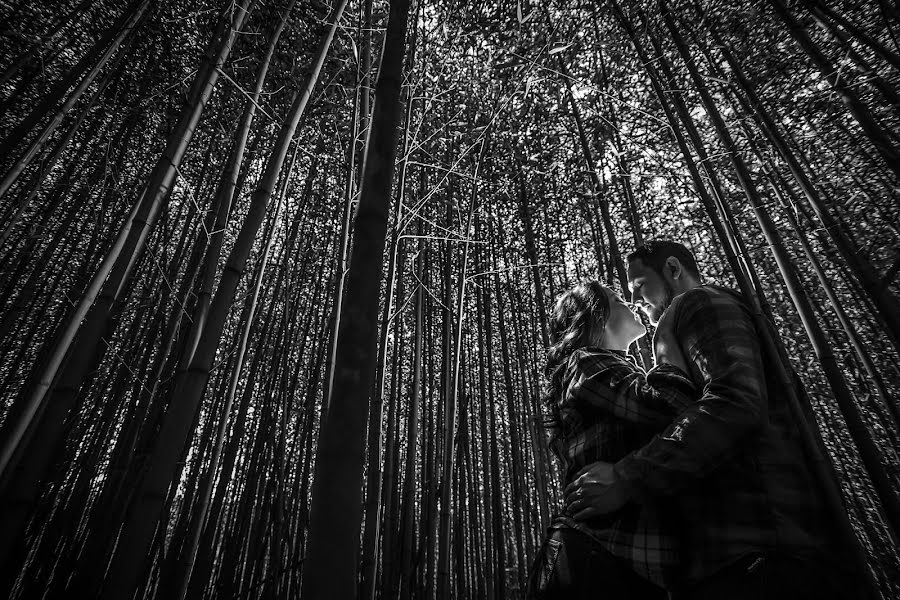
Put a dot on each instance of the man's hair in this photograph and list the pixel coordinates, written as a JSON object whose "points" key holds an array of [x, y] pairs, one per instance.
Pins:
{"points": [[655, 252]]}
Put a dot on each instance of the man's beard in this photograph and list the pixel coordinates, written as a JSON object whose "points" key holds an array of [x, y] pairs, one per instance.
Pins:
{"points": [[655, 313]]}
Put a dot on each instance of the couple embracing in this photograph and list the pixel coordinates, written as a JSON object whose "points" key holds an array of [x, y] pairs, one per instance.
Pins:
{"points": [[688, 481]]}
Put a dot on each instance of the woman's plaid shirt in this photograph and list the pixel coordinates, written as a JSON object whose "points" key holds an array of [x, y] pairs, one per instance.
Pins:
{"points": [[611, 407], [732, 464]]}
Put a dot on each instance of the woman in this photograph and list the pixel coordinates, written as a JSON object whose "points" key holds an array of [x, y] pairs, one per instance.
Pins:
{"points": [[602, 406]]}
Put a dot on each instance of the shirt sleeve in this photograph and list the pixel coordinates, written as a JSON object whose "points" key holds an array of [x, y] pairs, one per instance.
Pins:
{"points": [[622, 389], [719, 341]]}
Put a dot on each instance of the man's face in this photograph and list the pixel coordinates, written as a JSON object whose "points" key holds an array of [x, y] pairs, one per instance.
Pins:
{"points": [[649, 290]]}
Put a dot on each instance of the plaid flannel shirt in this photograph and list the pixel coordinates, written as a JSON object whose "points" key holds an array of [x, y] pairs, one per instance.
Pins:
{"points": [[611, 407], [731, 464]]}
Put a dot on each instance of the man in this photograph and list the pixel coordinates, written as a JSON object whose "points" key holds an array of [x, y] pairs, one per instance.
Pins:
{"points": [[731, 465]]}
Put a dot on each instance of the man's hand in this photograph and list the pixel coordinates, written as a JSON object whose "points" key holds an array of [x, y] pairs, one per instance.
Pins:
{"points": [[595, 491], [665, 347]]}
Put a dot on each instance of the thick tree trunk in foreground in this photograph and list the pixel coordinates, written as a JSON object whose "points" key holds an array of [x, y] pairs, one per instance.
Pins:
{"points": [[330, 569]]}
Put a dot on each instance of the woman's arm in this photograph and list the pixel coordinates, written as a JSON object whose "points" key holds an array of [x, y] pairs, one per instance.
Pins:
{"points": [[617, 386]]}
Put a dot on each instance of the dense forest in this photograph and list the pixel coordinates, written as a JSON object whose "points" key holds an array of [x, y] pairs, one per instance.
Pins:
{"points": [[275, 275]]}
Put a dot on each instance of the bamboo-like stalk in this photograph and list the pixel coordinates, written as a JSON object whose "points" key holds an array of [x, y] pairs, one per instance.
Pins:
{"points": [[866, 69], [885, 53], [488, 490], [243, 475], [778, 184], [644, 352], [227, 191], [186, 564], [404, 588], [715, 204], [531, 249], [190, 386], [330, 568], [343, 247], [373, 520], [43, 420], [798, 296], [867, 122], [59, 28], [50, 162], [97, 55], [12, 443], [887, 303], [447, 468], [602, 201], [127, 30]]}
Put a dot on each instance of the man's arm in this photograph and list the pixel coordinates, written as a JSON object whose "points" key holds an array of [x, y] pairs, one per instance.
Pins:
{"points": [[722, 348], [624, 391]]}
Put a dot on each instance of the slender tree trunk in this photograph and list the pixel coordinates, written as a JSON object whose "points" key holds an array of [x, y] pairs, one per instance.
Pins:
{"points": [[330, 567], [190, 386], [887, 303], [838, 385], [614, 251], [22, 163], [447, 468], [108, 43], [873, 131], [60, 28], [46, 426], [818, 7], [181, 578], [837, 305], [48, 164], [866, 69], [373, 511], [408, 509], [227, 192]]}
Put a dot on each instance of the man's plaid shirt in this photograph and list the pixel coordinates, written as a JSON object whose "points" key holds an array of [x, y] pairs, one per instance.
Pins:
{"points": [[731, 465], [611, 407]]}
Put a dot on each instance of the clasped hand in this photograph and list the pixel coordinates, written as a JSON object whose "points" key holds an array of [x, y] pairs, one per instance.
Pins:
{"points": [[595, 491]]}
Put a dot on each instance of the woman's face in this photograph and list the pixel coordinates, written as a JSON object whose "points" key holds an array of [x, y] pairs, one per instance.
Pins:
{"points": [[623, 325]]}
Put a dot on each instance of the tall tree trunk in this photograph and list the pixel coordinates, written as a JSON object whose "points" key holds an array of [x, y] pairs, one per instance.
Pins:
{"points": [[41, 422], [50, 162], [330, 567], [227, 192], [408, 509], [99, 52], [373, 512], [715, 204], [180, 578], [820, 8], [447, 467], [127, 30], [887, 303], [779, 184], [867, 122], [189, 388], [835, 378]]}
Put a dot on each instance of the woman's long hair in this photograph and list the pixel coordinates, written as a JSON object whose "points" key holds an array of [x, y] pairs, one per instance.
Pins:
{"points": [[578, 313]]}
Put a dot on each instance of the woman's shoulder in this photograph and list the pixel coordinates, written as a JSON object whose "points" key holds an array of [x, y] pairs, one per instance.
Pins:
{"points": [[597, 352], [592, 358]]}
